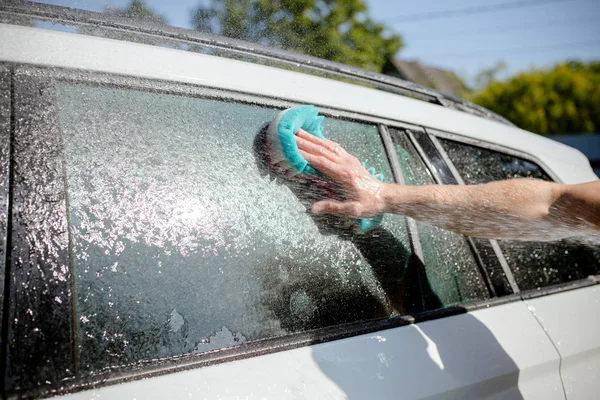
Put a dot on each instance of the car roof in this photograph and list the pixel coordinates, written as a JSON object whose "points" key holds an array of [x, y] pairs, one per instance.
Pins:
{"points": [[37, 46], [113, 25]]}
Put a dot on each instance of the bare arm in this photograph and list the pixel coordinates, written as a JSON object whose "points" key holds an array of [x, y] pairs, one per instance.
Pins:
{"points": [[524, 209]]}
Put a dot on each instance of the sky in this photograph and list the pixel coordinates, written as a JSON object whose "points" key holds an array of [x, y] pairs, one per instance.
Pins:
{"points": [[524, 36], [463, 36]]}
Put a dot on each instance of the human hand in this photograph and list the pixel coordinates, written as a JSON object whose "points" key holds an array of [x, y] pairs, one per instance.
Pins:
{"points": [[363, 191]]}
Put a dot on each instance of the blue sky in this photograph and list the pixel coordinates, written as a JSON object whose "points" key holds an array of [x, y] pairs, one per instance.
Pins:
{"points": [[540, 35], [523, 36]]}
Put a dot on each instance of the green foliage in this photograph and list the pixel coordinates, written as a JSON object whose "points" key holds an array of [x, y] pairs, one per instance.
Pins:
{"points": [[563, 100], [138, 9], [489, 75], [338, 30]]}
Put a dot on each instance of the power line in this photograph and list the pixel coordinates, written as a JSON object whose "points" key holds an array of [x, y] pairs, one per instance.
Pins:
{"points": [[503, 29], [517, 50], [469, 10]]}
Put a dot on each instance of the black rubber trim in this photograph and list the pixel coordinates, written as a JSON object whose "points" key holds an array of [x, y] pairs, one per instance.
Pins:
{"points": [[434, 159], [6, 127], [561, 287], [482, 263], [493, 266], [249, 50], [40, 337], [413, 231], [496, 301]]}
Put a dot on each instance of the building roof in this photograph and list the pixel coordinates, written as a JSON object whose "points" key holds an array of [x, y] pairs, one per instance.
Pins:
{"points": [[426, 75]]}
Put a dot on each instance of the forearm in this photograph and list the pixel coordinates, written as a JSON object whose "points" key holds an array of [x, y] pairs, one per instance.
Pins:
{"points": [[524, 209]]}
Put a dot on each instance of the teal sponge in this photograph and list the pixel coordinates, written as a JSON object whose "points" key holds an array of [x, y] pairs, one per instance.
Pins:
{"points": [[281, 142], [285, 158]]}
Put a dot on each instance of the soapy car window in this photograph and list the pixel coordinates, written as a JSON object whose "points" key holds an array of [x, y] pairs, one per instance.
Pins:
{"points": [[184, 243], [533, 264], [452, 271]]}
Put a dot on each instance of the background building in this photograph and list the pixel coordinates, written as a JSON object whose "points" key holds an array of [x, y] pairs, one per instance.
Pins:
{"points": [[426, 75]]}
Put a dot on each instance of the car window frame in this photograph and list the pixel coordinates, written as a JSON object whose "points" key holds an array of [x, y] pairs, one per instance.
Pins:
{"points": [[521, 294], [142, 369], [428, 163], [493, 147], [426, 144], [34, 253], [6, 126]]}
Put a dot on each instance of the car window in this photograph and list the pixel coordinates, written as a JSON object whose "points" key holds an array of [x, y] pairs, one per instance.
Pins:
{"points": [[533, 264], [452, 271], [184, 243]]}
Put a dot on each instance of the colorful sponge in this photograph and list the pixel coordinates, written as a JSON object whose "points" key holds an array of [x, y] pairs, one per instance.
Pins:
{"points": [[281, 142], [285, 158]]}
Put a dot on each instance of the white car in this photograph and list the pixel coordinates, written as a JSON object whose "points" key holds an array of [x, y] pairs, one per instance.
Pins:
{"points": [[149, 254]]}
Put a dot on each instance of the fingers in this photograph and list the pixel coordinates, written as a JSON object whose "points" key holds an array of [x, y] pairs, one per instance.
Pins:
{"points": [[310, 137], [323, 164], [328, 144], [315, 149], [345, 208]]}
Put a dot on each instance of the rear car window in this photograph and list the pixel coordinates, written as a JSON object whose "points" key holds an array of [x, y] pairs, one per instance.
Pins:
{"points": [[184, 243], [533, 264], [451, 269]]}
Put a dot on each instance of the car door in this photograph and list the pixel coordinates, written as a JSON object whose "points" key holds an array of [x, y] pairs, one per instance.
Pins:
{"points": [[558, 280], [149, 241]]}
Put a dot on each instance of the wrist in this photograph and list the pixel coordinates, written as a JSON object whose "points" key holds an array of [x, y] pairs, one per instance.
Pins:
{"points": [[386, 198], [394, 197]]}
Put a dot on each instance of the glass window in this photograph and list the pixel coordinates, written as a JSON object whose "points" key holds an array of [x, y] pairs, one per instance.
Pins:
{"points": [[451, 269], [183, 243], [534, 264]]}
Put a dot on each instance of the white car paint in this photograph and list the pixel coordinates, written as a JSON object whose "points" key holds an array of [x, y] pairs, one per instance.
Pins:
{"points": [[572, 320], [500, 352], [495, 353], [69, 50]]}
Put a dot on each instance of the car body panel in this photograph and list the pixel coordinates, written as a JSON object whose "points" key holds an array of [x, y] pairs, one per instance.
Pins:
{"points": [[497, 352], [504, 351], [572, 322], [70, 50]]}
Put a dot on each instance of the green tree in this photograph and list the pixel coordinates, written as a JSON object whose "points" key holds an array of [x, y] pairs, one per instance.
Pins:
{"points": [[138, 9], [563, 100], [338, 30], [489, 75]]}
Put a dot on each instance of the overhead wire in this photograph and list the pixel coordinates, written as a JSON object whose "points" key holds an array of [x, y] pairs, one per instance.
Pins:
{"points": [[497, 7], [503, 29], [517, 50], [468, 11]]}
